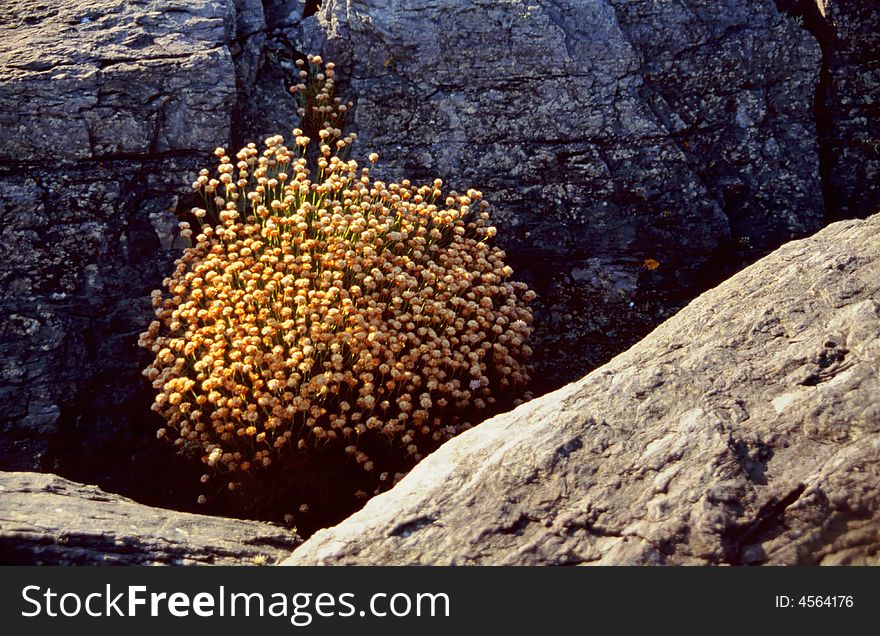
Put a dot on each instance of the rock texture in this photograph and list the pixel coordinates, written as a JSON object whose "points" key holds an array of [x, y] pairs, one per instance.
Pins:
{"points": [[611, 136], [605, 132], [45, 519], [108, 108], [848, 104], [745, 430]]}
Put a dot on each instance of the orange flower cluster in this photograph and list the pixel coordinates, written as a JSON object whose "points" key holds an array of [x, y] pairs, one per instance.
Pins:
{"points": [[319, 306]]}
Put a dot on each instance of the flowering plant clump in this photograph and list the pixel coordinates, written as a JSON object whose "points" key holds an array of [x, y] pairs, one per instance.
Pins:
{"points": [[317, 306]]}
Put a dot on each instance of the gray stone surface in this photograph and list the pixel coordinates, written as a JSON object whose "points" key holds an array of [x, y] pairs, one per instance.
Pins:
{"points": [[103, 77], [605, 132], [744, 430], [47, 520], [108, 108]]}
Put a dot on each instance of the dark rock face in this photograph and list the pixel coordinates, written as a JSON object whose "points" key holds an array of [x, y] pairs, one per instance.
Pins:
{"points": [[107, 108], [45, 519], [745, 430], [607, 134], [849, 105]]}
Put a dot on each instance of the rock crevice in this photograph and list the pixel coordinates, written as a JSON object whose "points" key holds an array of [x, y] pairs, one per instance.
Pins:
{"points": [[847, 101]]}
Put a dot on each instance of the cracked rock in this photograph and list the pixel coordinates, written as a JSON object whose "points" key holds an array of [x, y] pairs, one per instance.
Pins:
{"points": [[636, 153], [108, 110], [849, 105]]}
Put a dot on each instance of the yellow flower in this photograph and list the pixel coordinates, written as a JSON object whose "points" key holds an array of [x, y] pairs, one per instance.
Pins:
{"points": [[329, 311]]}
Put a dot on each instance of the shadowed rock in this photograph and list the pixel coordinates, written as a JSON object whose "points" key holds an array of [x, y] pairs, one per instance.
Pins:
{"points": [[108, 109], [744, 430], [848, 105]]}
